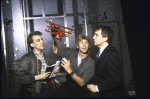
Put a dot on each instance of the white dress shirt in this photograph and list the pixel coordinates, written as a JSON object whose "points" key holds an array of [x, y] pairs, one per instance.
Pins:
{"points": [[101, 50], [79, 60]]}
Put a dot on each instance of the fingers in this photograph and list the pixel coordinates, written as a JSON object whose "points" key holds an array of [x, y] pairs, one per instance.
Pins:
{"points": [[57, 70], [89, 87], [63, 61], [48, 72]]}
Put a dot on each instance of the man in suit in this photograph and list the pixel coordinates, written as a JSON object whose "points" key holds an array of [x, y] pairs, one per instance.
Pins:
{"points": [[79, 67], [108, 77], [30, 73]]}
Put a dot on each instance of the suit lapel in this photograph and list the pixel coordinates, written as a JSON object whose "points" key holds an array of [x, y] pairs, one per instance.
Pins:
{"points": [[103, 56]]}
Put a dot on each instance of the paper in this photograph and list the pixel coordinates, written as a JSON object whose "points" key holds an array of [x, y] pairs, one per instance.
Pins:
{"points": [[55, 67]]}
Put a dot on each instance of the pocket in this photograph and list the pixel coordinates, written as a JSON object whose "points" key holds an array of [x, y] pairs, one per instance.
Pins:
{"points": [[80, 73]]}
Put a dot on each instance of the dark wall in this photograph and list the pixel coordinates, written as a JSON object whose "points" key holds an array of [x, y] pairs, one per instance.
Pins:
{"points": [[136, 20]]}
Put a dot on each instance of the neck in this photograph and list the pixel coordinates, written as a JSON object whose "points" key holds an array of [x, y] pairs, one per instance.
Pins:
{"points": [[37, 51], [100, 46], [82, 55]]}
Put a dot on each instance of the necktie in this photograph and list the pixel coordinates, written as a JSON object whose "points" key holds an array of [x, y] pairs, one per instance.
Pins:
{"points": [[97, 56]]}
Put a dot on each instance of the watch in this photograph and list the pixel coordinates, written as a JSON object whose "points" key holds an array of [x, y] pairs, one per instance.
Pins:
{"points": [[71, 73]]}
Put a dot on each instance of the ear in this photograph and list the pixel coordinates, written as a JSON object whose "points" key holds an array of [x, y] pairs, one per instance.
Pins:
{"points": [[106, 38], [77, 46], [89, 46], [32, 45]]}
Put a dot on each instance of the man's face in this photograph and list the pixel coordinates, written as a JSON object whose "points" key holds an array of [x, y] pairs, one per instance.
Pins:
{"points": [[37, 42], [98, 39], [83, 46]]}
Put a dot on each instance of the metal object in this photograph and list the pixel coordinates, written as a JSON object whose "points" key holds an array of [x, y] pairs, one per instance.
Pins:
{"points": [[4, 45], [65, 23], [85, 18]]}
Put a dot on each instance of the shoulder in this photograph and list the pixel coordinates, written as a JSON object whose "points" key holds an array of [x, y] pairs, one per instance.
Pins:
{"points": [[45, 54], [112, 50], [27, 56], [112, 53], [90, 60]]}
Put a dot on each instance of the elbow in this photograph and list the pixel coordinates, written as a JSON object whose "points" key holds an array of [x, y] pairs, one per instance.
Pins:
{"points": [[81, 84]]}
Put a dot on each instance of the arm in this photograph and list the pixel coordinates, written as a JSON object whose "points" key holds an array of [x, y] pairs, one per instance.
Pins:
{"points": [[77, 79], [23, 74], [88, 72], [42, 76], [66, 65], [87, 75], [113, 79], [54, 47], [115, 76]]}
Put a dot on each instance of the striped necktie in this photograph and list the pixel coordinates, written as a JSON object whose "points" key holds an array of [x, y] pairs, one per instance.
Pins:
{"points": [[97, 55]]}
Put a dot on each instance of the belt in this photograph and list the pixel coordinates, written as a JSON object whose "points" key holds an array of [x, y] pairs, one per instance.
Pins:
{"points": [[45, 82]]}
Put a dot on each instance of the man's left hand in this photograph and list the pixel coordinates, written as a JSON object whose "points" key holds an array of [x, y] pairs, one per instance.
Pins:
{"points": [[66, 65], [91, 87]]}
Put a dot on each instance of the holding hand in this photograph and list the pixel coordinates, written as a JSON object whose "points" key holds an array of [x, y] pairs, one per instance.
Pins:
{"points": [[91, 87], [66, 65], [57, 70], [42, 76]]}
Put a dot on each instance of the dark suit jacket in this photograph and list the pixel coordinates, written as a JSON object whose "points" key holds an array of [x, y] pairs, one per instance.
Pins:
{"points": [[108, 73]]}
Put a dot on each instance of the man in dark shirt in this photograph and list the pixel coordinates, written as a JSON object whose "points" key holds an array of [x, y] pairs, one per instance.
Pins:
{"points": [[78, 65]]}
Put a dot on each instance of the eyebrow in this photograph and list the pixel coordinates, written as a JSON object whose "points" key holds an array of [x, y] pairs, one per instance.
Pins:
{"points": [[37, 39]]}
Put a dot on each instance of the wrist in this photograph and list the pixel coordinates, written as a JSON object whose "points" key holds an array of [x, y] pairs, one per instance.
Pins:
{"points": [[71, 73], [36, 78]]}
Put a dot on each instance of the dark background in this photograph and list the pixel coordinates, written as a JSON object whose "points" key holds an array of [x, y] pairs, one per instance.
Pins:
{"points": [[136, 20]]}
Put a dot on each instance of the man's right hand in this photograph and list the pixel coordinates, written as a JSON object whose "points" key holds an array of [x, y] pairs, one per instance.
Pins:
{"points": [[42, 76], [54, 47]]}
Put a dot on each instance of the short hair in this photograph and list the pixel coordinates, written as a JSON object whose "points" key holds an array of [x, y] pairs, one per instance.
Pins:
{"points": [[81, 37], [106, 32], [29, 38]]}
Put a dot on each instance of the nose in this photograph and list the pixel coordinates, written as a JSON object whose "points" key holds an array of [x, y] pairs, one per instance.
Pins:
{"points": [[84, 45], [41, 40], [93, 36]]}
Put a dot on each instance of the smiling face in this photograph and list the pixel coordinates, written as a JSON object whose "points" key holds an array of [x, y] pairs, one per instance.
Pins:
{"points": [[98, 39], [38, 43], [83, 46]]}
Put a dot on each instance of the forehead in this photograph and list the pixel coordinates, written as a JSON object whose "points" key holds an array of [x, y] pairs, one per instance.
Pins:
{"points": [[98, 32], [35, 37], [83, 40]]}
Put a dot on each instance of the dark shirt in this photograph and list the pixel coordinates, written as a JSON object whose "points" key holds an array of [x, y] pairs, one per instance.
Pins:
{"points": [[85, 70]]}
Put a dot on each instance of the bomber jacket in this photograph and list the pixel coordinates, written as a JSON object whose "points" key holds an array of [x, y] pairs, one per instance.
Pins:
{"points": [[29, 66]]}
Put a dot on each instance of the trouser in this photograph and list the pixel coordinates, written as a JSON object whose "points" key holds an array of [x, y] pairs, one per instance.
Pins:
{"points": [[68, 89], [46, 90]]}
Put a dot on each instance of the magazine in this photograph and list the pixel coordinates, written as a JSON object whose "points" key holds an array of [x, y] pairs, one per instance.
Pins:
{"points": [[52, 69]]}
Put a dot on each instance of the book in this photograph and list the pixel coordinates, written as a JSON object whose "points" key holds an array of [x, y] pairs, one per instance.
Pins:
{"points": [[49, 68], [52, 69]]}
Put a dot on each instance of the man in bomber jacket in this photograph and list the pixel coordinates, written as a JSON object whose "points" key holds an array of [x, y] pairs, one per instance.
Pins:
{"points": [[30, 73]]}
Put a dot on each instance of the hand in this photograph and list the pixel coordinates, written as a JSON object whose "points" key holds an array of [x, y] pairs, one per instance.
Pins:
{"points": [[66, 65], [57, 70], [91, 87], [42, 76]]}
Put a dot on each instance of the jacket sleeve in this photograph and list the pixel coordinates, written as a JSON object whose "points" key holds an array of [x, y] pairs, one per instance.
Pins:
{"points": [[115, 74], [22, 72]]}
